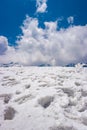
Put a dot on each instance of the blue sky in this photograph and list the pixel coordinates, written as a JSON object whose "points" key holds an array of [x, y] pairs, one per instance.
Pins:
{"points": [[45, 31], [12, 14]]}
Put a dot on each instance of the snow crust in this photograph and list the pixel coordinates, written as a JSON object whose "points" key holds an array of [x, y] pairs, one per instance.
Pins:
{"points": [[43, 98]]}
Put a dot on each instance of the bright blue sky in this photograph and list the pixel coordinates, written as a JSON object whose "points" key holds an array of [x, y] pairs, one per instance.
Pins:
{"points": [[13, 12]]}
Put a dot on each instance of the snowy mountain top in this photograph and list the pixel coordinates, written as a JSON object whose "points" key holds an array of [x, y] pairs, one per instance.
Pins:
{"points": [[78, 64], [11, 64]]}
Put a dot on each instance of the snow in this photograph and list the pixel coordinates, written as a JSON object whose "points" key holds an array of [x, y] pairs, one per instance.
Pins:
{"points": [[43, 98]]}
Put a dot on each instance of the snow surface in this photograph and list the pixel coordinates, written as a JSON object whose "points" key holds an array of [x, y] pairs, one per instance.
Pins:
{"points": [[43, 98]]}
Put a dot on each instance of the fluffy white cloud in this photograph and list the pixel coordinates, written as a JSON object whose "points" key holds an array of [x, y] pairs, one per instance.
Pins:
{"points": [[70, 20], [7, 53], [41, 6], [51, 46], [3, 45], [39, 46]]}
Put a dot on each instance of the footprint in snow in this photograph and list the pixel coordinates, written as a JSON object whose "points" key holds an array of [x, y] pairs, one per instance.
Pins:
{"points": [[46, 101], [6, 97], [62, 127], [9, 113], [24, 99]]}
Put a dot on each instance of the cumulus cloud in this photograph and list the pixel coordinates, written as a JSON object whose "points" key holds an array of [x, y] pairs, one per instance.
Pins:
{"points": [[52, 46], [70, 20], [3, 45], [38, 46], [7, 53], [41, 6]]}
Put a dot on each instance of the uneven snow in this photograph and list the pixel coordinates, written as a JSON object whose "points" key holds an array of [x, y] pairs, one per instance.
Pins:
{"points": [[47, 98]]}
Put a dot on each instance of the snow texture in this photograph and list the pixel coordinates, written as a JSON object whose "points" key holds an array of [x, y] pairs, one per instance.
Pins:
{"points": [[43, 98]]}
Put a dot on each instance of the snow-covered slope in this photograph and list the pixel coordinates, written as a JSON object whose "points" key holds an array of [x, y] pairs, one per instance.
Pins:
{"points": [[47, 98]]}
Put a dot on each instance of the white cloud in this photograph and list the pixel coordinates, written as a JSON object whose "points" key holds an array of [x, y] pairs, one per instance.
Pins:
{"points": [[39, 46], [50, 45], [9, 54], [41, 6], [70, 20], [3, 45]]}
